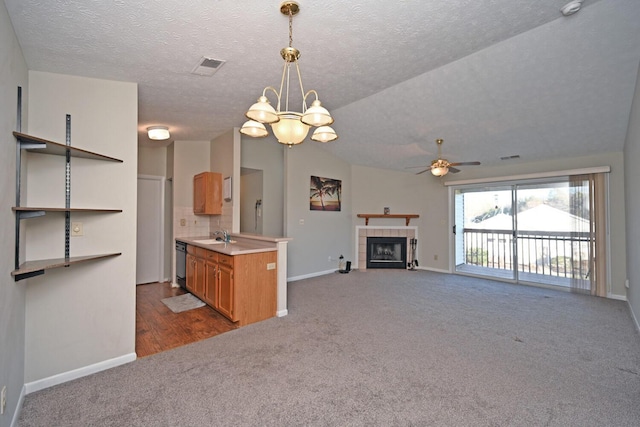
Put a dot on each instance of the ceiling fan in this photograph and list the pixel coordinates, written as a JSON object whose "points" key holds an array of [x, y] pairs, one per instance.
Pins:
{"points": [[440, 166]]}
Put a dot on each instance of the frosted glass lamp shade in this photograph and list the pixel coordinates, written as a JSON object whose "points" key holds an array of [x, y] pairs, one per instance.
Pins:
{"points": [[262, 111], [317, 115], [439, 171], [254, 129], [158, 133], [324, 134], [290, 130]]}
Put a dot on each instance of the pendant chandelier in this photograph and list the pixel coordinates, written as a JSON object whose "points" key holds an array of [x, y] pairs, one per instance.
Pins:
{"points": [[289, 127]]}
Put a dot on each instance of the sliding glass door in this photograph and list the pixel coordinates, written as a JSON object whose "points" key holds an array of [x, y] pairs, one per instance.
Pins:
{"points": [[484, 230], [537, 232]]}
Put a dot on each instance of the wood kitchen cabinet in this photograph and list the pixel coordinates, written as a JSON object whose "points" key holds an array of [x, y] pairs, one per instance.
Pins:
{"points": [[242, 288], [207, 193], [225, 287]]}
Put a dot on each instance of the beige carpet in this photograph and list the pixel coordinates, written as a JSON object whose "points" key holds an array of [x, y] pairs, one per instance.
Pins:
{"points": [[382, 348]]}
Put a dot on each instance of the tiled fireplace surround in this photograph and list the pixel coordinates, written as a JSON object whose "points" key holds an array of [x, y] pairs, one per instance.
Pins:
{"points": [[362, 232]]}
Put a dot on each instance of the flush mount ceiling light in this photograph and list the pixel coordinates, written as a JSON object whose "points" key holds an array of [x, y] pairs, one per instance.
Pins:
{"points": [[571, 7], [158, 133], [289, 127]]}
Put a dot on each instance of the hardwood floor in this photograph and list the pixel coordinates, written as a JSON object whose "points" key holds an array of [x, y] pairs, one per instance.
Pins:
{"points": [[159, 329]]}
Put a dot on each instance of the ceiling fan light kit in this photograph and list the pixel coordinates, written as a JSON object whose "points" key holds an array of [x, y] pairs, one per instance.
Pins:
{"points": [[440, 167], [289, 127]]}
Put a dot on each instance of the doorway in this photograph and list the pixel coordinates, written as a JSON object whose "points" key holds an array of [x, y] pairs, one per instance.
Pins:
{"points": [[251, 196], [150, 246]]}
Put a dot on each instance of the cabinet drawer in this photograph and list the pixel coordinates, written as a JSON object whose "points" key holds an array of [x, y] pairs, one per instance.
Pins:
{"points": [[225, 260], [191, 250], [208, 255]]}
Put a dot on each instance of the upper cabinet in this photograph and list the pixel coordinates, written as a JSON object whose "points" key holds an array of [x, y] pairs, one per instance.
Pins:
{"points": [[207, 193]]}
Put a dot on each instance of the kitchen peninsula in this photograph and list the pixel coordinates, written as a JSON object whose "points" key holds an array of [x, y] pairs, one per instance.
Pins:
{"points": [[244, 279]]}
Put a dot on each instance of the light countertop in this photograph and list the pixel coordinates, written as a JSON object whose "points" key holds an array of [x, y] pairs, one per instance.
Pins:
{"points": [[240, 243]]}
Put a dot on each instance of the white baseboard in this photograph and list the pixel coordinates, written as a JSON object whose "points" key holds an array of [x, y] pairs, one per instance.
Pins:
{"points": [[78, 373], [634, 317], [437, 270], [308, 276], [617, 297], [282, 313]]}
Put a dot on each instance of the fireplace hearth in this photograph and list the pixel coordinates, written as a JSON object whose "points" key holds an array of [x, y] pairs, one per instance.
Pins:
{"points": [[386, 252]]}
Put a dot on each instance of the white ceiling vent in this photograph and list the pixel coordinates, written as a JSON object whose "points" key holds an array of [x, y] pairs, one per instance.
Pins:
{"points": [[207, 66]]}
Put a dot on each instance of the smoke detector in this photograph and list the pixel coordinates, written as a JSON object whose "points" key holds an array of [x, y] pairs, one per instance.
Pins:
{"points": [[207, 66], [571, 7]]}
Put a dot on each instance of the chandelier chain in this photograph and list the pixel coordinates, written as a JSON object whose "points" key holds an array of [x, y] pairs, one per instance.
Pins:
{"points": [[290, 28]]}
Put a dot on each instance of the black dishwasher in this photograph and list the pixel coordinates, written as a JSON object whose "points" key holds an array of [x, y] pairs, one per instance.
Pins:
{"points": [[181, 264]]}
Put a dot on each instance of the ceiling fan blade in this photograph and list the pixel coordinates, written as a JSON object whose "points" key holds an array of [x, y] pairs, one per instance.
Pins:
{"points": [[421, 166], [426, 170], [464, 163], [453, 170]]}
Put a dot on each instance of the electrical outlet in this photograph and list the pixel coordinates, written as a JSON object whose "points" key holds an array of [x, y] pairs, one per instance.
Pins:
{"points": [[3, 400], [183, 222], [271, 266]]}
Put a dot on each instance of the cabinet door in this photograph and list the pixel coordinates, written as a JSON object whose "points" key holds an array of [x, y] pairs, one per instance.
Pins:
{"points": [[207, 193], [211, 283], [199, 191], [191, 272], [226, 292], [198, 289]]}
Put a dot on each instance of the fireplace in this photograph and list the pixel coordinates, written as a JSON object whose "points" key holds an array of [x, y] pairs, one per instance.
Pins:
{"points": [[386, 252]]}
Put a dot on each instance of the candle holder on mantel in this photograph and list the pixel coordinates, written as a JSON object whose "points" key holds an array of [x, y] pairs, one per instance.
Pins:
{"points": [[387, 211]]}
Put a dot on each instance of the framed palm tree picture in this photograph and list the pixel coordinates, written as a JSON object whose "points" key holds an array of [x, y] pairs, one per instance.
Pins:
{"points": [[325, 194]]}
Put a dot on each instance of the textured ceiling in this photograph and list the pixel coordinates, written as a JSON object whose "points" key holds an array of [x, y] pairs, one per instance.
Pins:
{"points": [[493, 78]]}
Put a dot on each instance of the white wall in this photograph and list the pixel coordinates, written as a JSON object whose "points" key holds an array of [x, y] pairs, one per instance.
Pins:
{"points": [[225, 161], [13, 73], [152, 161], [632, 192], [267, 154], [616, 199], [189, 158], [323, 234], [84, 315]]}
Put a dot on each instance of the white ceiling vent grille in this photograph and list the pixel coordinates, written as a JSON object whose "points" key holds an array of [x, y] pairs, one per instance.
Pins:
{"points": [[207, 66]]}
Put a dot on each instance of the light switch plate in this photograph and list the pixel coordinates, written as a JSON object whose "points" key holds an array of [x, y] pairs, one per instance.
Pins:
{"points": [[77, 229]]}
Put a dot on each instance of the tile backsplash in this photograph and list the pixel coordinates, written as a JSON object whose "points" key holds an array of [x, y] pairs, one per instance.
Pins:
{"points": [[194, 225]]}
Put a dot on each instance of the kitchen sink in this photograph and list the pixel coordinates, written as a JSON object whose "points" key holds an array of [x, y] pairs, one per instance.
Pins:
{"points": [[209, 241], [212, 241]]}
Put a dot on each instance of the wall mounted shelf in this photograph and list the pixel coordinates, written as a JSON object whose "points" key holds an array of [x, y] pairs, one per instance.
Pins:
{"points": [[407, 217], [38, 267], [42, 146]]}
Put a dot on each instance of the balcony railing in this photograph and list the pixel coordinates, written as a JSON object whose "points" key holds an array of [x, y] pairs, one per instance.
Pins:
{"points": [[557, 254]]}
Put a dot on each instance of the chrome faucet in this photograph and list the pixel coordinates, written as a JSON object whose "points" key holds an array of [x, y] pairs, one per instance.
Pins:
{"points": [[225, 235]]}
